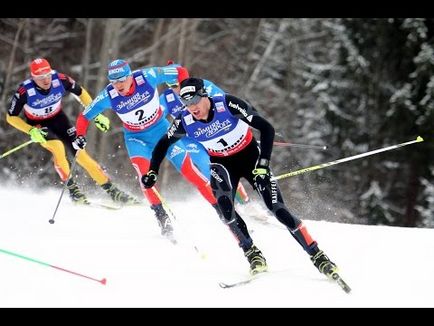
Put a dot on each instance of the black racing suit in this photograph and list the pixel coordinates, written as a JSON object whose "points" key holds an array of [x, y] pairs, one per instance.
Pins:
{"points": [[226, 171]]}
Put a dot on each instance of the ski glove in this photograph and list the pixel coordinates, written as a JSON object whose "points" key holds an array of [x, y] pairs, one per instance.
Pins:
{"points": [[149, 179], [262, 168], [102, 122], [38, 135], [261, 174], [79, 142]]}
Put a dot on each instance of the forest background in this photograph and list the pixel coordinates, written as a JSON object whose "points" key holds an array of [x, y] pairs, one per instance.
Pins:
{"points": [[353, 85]]}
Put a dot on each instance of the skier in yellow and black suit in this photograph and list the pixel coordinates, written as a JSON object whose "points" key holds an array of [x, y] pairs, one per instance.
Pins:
{"points": [[47, 124]]}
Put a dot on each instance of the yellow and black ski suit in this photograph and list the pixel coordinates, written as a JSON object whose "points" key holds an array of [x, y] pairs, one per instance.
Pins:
{"points": [[61, 132]]}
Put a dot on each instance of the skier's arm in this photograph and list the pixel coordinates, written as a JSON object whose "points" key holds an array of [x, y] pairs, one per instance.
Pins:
{"points": [[211, 88], [83, 97], [159, 75], [175, 132], [98, 105], [17, 103]]}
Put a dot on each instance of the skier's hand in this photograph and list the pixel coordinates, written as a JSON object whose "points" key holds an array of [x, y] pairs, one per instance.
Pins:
{"points": [[262, 168], [79, 142], [38, 135], [102, 122], [149, 179], [262, 174]]}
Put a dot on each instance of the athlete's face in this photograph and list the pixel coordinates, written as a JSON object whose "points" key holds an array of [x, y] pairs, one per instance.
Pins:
{"points": [[200, 110], [123, 86], [43, 81]]}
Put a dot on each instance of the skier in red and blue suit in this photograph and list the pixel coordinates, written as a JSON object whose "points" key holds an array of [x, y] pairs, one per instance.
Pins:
{"points": [[133, 96]]}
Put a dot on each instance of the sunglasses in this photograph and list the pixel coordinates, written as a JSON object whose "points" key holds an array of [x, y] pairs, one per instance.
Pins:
{"points": [[192, 101], [118, 80], [195, 99], [40, 77]]}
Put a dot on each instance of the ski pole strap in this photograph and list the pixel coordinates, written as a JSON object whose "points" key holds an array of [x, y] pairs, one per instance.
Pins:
{"points": [[342, 160], [259, 171]]}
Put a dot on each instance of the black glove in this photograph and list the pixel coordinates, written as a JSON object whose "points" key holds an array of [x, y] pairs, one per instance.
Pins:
{"points": [[79, 142], [149, 179], [261, 174]]}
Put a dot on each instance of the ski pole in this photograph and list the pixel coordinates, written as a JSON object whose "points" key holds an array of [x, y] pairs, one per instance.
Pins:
{"points": [[286, 144], [167, 208], [342, 160], [163, 202], [74, 163], [16, 148], [102, 281]]}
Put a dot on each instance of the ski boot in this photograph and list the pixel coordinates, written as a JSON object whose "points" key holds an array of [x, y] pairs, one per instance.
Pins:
{"points": [[76, 195], [324, 264], [257, 261], [117, 195], [163, 220]]}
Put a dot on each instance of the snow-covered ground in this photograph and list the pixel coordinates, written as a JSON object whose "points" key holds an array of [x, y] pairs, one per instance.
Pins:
{"points": [[385, 266]]}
